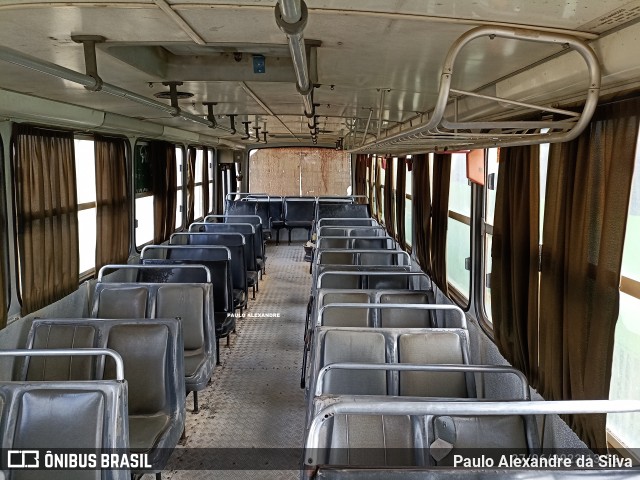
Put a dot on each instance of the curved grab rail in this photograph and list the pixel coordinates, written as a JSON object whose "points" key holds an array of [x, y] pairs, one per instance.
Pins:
{"points": [[69, 352], [397, 306], [457, 408], [422, 368], [101, 273]]}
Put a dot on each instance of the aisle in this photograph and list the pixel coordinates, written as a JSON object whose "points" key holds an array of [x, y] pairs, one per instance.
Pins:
{"points": [[255, 400]]}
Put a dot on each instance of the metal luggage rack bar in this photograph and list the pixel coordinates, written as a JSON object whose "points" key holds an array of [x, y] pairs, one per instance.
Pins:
{"points": [[440, 133]]}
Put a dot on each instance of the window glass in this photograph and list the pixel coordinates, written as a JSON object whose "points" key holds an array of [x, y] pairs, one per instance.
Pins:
{"points": [[85, 165], [624, 428], [490, 199], [211, 157], [459, 230], [179, 190], [490, 202], [197, 205], [408, 205]]}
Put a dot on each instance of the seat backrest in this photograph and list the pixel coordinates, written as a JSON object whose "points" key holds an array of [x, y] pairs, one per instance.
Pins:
{"points": [[366, 243], [334, 242], [60, 368], [404, 318], [258, 227], [247, 230], [506, 433], [185, 302], [352, 280], [346, 222], [235, 243], [262, 210], [169, 271], [329, 257], [276, 209], [123, 302], [89, 415], [355, 347], [345, 209], [336, 317], [218, 260], [432, 348], [241, 207], [372, 441], [145, 365], [299, 209]]}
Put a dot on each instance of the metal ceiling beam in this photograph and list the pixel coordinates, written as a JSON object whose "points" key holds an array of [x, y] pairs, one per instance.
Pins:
{"points": [[18, 58], [266, 108], [184, 26]]}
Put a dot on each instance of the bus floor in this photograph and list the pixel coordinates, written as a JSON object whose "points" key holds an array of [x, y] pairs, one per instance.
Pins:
{"points": [[252, 413]]}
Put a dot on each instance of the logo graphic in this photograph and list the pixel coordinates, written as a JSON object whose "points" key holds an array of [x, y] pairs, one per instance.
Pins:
{"points": [[23, 459]]}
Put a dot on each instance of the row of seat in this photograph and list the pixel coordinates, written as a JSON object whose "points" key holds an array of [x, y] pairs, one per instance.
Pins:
{"points": [[93, 385], [293, 212], [379, 349], [162, 323]]}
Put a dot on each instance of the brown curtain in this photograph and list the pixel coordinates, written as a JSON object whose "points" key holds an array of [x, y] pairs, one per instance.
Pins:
{"points": [[389, 215], [205, 182], [47, 215], [421, 218], [113, 225], [361, 175], [191, 184], [439, 220], [372, 184], [162, 156], [588, 188], [400, 200], [3, 274], [222, 169], [378, 164], [514, 253]]}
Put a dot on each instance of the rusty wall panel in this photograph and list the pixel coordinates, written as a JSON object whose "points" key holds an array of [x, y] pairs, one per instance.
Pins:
{"points": [[277, 171]]}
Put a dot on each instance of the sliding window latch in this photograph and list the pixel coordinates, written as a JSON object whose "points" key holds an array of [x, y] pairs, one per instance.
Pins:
{"points": [[467, 263]]}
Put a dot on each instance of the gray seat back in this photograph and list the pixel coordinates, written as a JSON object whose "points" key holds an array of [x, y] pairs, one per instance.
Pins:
{"points": [[63, 414], [356, 347], [436, 347], [345, 318], [404, 318]]}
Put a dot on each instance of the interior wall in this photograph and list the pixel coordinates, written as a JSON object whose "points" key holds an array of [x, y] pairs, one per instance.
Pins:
{"points": [[299, 171]]}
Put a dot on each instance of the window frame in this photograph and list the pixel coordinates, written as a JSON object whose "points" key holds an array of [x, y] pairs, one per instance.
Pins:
{"points": [[464, 301], [87, 274]]}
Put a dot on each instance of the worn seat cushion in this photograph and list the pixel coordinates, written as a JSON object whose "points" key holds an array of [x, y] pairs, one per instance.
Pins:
{"points": [[145, 430]]}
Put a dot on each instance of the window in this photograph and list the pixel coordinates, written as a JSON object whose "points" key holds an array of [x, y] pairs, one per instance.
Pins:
{"points": [[380, 183], [179, 190], [372, 186], [489, 210], [624, 428], [144, 195], [85, 165], [408, 204], [197, 194], [491, 184], [211, 158], [143, 182], [459, 225]]}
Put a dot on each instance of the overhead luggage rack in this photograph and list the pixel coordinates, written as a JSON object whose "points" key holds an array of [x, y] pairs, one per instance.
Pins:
{"points": [[444, 130]]}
